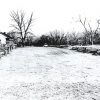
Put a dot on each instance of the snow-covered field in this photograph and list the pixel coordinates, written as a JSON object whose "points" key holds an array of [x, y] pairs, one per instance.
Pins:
{"points": [[40, 73]]}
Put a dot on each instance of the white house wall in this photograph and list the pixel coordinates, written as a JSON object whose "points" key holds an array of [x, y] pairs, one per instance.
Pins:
{"points": [[3, 39]]}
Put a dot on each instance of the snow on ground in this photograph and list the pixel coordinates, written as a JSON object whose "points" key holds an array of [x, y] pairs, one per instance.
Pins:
{"points": [[88, 46], [40, 73]]}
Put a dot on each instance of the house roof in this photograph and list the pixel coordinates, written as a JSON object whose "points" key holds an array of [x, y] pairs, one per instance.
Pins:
{"points": [[6, 35]]}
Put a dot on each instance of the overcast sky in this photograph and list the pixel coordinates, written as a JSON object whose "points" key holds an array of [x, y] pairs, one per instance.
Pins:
{"points": [[51, 14]]}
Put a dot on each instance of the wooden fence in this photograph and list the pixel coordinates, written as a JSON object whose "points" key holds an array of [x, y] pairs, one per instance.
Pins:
{"points": [[6, 49]]}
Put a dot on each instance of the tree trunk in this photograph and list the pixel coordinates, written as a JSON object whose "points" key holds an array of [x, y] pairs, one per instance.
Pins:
{"points": [[91, 39], [23, 42]]}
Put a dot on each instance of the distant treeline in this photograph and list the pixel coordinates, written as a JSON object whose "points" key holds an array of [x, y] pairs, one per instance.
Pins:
{"points": [[61, 38], [56, 38]]}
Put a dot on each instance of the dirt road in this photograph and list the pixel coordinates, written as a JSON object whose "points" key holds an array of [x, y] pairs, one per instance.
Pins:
{"points": [[40, 73]]}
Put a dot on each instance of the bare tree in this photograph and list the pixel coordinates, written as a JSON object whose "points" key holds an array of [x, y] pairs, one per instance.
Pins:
{"points": [[21, 24], [89, 31], [58, 38], [72, 38]]}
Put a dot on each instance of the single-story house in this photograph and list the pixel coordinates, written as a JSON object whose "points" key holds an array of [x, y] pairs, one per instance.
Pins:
{"points": [[4, 38]]}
